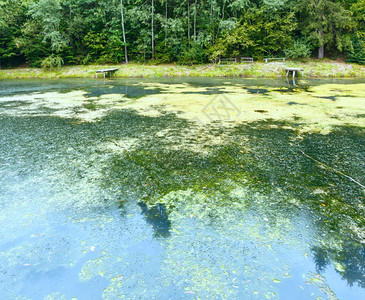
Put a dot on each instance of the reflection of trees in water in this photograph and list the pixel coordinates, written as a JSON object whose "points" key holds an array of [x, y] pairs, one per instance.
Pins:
{"points": [[267, 158], [293, 86], [129, 91], [352, 258], [157, 217], [321, 259]]}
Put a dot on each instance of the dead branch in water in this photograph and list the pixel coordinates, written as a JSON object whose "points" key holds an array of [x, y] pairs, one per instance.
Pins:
{"points": [[332, 169]]}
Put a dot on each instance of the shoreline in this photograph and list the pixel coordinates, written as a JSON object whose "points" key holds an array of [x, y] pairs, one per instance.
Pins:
{"points": [[312, 69]]}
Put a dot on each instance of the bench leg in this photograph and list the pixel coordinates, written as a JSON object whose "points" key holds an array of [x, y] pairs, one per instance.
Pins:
{"points": [[293, 74]]}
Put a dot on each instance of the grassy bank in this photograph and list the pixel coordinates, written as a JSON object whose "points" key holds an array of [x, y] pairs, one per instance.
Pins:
{"points": [[325, 69]]}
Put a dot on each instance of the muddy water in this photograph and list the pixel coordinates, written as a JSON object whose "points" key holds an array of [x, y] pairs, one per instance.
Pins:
{"points": [[182, 188]]}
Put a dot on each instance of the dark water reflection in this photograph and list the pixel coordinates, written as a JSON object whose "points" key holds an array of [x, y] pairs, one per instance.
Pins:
{"points": [[109, 209], [157, 217]]}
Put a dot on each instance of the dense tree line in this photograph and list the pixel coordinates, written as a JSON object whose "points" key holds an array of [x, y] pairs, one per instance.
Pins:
{"points": [[56, 32]]}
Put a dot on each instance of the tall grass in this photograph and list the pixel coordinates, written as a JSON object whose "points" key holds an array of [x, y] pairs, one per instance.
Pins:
{"points": [[324, 69]]}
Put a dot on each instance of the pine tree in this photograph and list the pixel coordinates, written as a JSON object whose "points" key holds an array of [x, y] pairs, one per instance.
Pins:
{"points": [[326, 22]]}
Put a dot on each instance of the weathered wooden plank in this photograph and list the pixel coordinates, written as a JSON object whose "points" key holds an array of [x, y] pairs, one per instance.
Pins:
{"points": [[247, 59], [106, 70], [274, 58], [227, 61]]}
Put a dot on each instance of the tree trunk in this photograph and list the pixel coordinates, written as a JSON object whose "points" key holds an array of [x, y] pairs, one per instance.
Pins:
{"points": [[321, 45], [189, 21], [195, 20], [165, 22], [124, 39], [152, 34], [223, 7], [224, 4], [211, 20], [320, 52]]}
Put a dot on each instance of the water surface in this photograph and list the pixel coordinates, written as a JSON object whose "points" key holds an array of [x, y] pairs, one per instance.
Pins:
{"points": [[188, 188]]}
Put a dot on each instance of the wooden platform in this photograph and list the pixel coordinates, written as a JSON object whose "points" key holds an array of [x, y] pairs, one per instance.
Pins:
{"points": [[293, 70], [110, 71]]}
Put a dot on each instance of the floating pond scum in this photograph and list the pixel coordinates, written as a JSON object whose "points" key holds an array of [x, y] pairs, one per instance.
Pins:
{"points": [[188, 188]]}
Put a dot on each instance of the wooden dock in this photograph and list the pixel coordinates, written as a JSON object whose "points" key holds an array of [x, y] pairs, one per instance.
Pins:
{"points": [[288, 70], [110, 71]]}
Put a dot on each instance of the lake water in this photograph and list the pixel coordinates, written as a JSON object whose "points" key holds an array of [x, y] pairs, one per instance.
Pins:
{"points": [[188, 188]]}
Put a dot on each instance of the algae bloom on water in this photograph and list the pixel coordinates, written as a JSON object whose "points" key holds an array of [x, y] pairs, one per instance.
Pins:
{"points": [[188, 188]]}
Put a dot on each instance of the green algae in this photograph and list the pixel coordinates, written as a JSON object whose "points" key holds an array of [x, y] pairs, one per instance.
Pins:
{"points": [[242, 205], [93, 102]]}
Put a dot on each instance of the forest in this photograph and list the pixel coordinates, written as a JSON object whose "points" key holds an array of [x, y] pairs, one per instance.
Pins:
{"points": [[52, 33]]}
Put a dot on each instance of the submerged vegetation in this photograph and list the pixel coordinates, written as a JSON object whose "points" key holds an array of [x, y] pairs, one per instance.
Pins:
{"points": [[153, 186]]}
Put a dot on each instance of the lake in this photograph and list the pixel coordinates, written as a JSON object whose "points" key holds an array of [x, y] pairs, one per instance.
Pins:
{"points": [[182, 188]]}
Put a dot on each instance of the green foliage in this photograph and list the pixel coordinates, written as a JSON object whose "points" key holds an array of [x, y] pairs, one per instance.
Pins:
{"points": [[257, 35], [48, 14], [358, 12], [11, 14], [326, 23], [191, 56], [104, 47], [187, 32], [52, 62], [300, 49], [358, 55]]}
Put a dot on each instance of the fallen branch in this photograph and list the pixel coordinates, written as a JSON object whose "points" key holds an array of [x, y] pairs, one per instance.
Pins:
{"points": [[332, 169]]}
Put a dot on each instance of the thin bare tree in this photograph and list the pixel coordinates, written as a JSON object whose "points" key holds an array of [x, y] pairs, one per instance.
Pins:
{"points": [[124, 39]]}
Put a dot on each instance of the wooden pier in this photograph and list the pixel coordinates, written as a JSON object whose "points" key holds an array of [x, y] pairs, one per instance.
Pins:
{"points": [[110, 71], [288, 70]]}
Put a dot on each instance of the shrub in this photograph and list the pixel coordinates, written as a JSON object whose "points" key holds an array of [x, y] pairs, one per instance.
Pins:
{"points": [[358, 55], [300, 49], [52, 62], [194, 55]]}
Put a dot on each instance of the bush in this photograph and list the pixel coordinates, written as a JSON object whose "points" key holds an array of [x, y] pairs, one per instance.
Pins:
{"points": [[300, 49], [358, 55], [191, 56], [52, 62], [106, 59]]}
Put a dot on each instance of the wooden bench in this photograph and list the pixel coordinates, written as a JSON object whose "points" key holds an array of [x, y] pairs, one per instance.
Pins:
{"points": [[246, 59], [227, 61], [293, 70], [110, 71], [274, 59]]}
